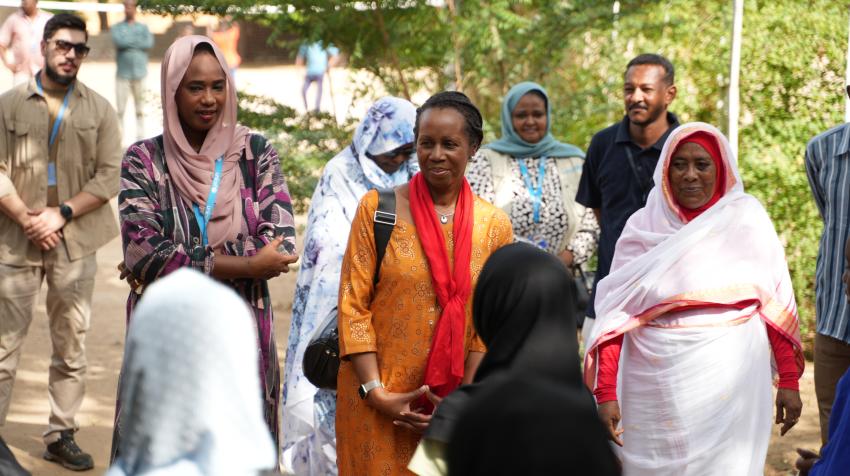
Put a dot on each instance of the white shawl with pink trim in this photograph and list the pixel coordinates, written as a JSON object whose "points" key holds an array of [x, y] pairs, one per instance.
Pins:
{"points": [[730, 254]]}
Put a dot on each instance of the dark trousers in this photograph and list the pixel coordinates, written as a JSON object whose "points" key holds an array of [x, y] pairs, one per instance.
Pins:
{"points": [[313, 79], [832, 359]]}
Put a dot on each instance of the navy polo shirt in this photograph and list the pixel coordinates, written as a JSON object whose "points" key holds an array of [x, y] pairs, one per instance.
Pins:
{"points": [[609, 184]]}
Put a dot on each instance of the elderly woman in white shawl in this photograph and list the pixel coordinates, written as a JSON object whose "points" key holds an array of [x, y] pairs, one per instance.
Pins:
{"points": [[699, 293], [380, 156], [190, 387]]}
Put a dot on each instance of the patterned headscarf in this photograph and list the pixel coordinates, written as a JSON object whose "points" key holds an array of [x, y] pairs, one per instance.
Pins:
{"points": [[387, 126]]}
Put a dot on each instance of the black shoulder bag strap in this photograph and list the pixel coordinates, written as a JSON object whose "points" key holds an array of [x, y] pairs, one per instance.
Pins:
{"points": [[384, 221], [642, 183]]}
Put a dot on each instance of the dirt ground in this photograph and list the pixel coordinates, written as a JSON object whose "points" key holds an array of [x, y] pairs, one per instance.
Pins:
{"points": [[105, 342]]}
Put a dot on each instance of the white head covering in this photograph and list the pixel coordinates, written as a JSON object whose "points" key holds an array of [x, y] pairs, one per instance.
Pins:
{"points": [[190, 389], [387, 126], [728, 254]]}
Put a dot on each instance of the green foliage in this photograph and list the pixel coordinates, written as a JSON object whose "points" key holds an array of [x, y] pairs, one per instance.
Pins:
{"points": [[791, 77], [792, 88], [304, 143], [786, 195]]}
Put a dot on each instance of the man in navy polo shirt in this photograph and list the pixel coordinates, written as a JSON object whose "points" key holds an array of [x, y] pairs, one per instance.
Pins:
{"points": [[617, 173]]}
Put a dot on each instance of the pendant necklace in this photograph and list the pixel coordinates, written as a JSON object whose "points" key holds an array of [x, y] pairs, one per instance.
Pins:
{"points": [[444, 218]]}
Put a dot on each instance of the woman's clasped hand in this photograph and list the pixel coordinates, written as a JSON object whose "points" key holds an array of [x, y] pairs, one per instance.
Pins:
{"points": [[398, 406]]}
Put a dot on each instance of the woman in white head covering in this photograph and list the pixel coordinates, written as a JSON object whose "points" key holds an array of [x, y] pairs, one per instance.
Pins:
{"points": [[380, 156], [700, 299], [190, 389]]}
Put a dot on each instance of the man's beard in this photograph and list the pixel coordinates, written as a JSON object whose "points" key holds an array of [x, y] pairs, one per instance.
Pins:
{"points": [[56, 77]]}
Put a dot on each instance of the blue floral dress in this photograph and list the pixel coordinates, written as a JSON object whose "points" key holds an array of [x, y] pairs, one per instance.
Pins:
{"points": [[308, 413]]}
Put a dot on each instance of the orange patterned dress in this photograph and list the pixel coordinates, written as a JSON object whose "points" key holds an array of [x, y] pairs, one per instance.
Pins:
{"points": [[396, 320]]}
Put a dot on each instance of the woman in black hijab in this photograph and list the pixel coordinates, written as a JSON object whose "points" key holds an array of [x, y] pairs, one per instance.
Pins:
{"points": [[527, 411], [524, 424]]}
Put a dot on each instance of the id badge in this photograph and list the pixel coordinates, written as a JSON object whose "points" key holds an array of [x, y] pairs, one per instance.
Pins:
{"points": [[539, 241]]}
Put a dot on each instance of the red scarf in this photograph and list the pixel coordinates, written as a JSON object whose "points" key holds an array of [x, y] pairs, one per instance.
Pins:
{"points": [[444, 369], [709, 143]]}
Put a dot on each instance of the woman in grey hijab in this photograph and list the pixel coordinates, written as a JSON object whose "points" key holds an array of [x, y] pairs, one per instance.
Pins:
{"points": [[190, 384]]}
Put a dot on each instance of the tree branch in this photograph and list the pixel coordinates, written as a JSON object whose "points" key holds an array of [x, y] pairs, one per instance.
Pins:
{"points": [[379, 15], [456, 44]]}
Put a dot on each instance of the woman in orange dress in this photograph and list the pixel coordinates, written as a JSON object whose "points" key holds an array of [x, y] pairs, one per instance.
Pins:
{"points": [[410, 336]]}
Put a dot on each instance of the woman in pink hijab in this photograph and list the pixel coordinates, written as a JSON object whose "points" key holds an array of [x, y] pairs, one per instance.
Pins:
{"points": [[209, 195], [696, 322]]}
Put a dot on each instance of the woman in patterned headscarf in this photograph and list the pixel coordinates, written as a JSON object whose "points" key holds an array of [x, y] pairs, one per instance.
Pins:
{"points": [[378, 157], [209, 195]]}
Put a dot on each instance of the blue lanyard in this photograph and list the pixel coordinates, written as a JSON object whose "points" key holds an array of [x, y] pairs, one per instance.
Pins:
{"points": [[204, 220], [536, 193], [61, 115]]}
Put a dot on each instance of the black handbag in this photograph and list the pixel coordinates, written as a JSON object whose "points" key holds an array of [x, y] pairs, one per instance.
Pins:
{"points": [[582, 285], [321, 358]]}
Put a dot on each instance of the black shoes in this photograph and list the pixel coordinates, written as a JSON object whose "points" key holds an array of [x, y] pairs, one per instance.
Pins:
{"points": [[65, 451]]}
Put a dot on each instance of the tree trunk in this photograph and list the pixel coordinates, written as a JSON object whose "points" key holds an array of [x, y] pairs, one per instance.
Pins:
{"points": [[102, 19], [735, 76], [457, 46], [379, 15]]}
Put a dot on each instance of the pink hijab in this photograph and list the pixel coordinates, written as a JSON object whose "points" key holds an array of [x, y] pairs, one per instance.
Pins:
{"points": [[192, 171]]}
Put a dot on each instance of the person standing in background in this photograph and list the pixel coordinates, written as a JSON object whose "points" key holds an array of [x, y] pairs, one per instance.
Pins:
{"points": [[22, 33], [379, 157], [828, 170], [187, 30], [617, 173], [318, 59], [132, 42], [226, 37], [60, 160], [533, 177]]}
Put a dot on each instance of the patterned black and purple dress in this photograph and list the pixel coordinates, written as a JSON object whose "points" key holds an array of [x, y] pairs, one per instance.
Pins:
{"points": [[160, 235]]}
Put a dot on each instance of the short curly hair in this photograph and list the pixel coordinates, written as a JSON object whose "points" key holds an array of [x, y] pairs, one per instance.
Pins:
{"points": [[461, 103], [654, 60]]}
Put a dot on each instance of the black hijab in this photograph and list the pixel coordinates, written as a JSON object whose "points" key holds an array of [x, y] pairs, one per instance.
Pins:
{"points": [[528, 411], [525, 424], [523, 309]]}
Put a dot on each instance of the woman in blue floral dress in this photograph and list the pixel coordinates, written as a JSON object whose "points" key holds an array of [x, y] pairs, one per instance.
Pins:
{"points": [[379, 157]]}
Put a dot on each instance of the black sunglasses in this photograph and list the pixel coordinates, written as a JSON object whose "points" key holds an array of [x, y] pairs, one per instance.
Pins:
{"points": [[406, 149], [80, 49]]}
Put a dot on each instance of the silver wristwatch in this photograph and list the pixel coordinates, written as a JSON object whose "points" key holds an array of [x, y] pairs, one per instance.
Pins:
{"points": [[367, 387]]}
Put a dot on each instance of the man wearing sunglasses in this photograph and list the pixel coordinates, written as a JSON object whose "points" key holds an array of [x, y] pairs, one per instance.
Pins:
{"points": [[60, 157]]}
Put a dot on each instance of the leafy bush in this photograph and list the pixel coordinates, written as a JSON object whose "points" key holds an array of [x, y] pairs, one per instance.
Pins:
{"points": [[304, 143], [785, 193]]}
